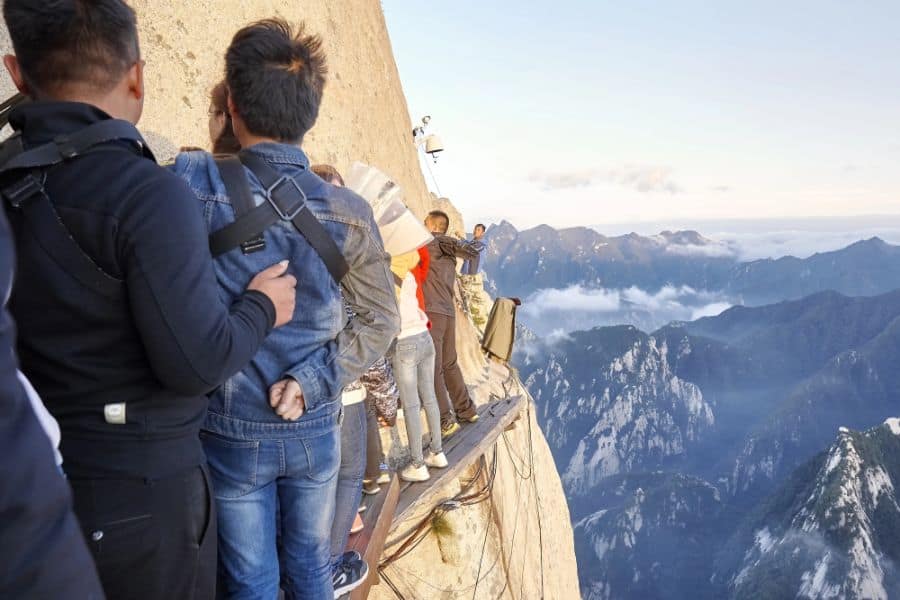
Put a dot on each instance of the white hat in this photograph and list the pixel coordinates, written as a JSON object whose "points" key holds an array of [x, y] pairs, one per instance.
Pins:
{"points": [[401, 231]]}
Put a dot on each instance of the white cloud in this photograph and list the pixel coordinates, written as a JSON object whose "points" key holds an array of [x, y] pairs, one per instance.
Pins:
{"points": [[710, 310], [713, 250], [802, 244], [645, 179], [574, 298], [553, 312], [641, 178]]}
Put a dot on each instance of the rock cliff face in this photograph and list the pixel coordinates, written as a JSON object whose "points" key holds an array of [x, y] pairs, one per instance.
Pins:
{"points": [[364, 117], [831, 532]]}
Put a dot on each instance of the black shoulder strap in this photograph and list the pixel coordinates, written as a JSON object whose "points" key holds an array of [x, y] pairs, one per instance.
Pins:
{"points": [[241, 196], [67, 147], [235, 177], [24, 176], [285, 200]]}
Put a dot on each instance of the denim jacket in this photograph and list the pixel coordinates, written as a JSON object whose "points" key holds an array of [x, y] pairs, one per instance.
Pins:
{"points": [[320, 348]]}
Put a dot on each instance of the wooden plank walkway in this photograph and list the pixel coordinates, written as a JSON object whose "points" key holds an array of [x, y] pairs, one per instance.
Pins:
{"points": [[462, 450], [370, 541], [402, 500]]}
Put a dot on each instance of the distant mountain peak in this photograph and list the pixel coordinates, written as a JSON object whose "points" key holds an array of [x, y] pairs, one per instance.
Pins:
{"points": [[842, 525]]}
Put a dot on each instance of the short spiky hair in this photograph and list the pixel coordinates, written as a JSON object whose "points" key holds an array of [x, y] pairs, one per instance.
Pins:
{"points": [[275, 78], [60, 43], [440, 219]]}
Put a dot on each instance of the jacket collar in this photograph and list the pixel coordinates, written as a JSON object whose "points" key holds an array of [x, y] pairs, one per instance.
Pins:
{"points": [[42, 121], [281, 153]]}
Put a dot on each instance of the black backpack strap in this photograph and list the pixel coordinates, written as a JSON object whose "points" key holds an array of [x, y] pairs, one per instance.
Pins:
{"points": [[52, 235], [241, 196], [285, 200], [67, 147], [25, 173]]}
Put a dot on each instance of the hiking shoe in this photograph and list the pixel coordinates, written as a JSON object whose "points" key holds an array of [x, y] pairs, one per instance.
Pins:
{"points": [[370, 488], [474, 418], [414, 473], [358, 524], [349, 575], [384, 478], [348, 556], [448, 430], [436, 460]]}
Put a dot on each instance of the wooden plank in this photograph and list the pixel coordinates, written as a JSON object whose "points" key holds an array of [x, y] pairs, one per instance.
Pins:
{"points": [[369, 542], [462, 450]]}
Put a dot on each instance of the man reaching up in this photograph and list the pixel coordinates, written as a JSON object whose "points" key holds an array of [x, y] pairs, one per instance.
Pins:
{"points": [[452, 394]]}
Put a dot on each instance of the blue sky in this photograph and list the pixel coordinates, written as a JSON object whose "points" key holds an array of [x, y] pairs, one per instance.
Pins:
{"points": [[583, 113]]}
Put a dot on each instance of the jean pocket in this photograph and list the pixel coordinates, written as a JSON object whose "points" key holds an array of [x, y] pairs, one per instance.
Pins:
{"points": [[323, 456], [123, 542], [406, 353], [232, 463]]}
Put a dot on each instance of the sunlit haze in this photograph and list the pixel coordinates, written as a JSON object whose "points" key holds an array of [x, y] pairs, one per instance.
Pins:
{"points": [[595, 113]]}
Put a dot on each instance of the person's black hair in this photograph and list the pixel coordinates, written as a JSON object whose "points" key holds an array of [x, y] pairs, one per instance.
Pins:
{"points": [[59, 43], [483, 228], [440, 219], [275, 79]]}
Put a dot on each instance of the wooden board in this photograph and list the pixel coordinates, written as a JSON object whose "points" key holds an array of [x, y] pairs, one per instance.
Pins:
{"points": [[369, 542], [462, 450]]}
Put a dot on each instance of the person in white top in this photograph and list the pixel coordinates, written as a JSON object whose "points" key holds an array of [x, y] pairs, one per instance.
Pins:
{"points": [[413, 362]]}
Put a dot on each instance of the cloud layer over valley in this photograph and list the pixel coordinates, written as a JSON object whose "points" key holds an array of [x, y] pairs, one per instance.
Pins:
{"points": [[551, 311]]}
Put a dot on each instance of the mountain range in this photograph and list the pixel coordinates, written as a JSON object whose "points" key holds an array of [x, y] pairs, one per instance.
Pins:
{"points": [[674, 446], [576, 276]]}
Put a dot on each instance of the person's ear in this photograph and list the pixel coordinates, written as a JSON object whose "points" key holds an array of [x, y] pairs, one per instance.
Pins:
{"points": [[15, 72], [136, 80], [232, 112]]}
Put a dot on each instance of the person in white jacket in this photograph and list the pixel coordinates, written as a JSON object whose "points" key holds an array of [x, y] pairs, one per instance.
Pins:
{"points": [[413, 361]]}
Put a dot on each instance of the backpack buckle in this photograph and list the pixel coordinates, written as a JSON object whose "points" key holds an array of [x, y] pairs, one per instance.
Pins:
{"points": [[286, 201], [66, 148], [22, 190]]}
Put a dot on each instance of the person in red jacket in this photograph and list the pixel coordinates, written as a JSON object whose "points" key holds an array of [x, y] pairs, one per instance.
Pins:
{"points": [[414, 365]]}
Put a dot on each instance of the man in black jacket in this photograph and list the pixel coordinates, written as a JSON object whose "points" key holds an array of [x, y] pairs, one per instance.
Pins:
{"points": [[41, 548], [124, 365], [449, 386]]}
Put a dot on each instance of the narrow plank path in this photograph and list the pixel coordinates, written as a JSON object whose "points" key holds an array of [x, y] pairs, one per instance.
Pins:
{"points": [[401, 500]]}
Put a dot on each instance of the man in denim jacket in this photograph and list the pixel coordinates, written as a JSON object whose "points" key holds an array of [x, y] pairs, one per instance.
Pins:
{"points": [[272, 432]]}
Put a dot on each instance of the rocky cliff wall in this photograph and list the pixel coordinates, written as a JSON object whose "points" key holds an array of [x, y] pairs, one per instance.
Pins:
{"points": [[364, 114]]}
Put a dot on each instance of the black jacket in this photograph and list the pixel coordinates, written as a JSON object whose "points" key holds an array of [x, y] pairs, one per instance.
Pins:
{"points": [[41, 547], [162, 344], [438, 287]]}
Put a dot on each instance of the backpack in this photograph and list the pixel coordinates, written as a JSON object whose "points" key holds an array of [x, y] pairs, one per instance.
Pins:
{"points": [[23, 175], [285, 201]]}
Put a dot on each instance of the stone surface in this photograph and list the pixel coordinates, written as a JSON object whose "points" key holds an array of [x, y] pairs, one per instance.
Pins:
{"points": [[364, 113]]}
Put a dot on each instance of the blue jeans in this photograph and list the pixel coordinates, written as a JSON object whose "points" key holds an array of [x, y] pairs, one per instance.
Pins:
{"points": [[413, 363], [292, 478], [350, 476]]}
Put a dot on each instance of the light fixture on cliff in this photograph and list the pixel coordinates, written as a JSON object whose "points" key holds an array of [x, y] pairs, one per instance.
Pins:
{"points": [[432, 143]]}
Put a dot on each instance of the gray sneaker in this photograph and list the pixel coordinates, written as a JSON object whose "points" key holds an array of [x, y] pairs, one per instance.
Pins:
{"points": [[349, 575]]}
